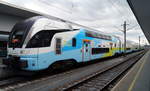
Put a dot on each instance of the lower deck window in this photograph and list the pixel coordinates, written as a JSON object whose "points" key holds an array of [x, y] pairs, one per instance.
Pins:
{"points": [[128, 48], [74, 42], [100, 50], [58, 46]]}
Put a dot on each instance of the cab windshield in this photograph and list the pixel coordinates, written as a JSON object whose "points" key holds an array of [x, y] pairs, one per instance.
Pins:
{"points": [[43, 38], [19, 33]]}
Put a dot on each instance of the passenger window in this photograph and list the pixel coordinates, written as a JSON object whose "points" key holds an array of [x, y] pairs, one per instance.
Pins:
{"points": [[58, 46], [99, 50], [115, 45], [74, 42]]}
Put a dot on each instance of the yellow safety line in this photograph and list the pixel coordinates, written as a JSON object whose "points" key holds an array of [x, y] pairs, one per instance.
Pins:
{"points": [[137, 75]]}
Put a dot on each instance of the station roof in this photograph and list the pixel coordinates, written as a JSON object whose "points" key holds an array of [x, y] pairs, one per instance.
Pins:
{"points": [[7, 8], [141, 11], [12, 10]]}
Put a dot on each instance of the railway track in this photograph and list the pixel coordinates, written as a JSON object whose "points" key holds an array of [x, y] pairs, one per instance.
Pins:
{"points": [[11, 80], [66, 80], [101, 81]]}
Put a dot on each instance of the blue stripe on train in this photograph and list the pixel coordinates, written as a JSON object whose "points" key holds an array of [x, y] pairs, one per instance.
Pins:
{"points": [[42, 61]]}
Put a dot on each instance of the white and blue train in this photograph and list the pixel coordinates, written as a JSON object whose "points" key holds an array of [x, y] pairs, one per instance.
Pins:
{"points": [[37, 43]]}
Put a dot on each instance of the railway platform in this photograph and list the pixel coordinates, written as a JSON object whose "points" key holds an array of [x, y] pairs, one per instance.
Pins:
{"points": [[138, 78]]}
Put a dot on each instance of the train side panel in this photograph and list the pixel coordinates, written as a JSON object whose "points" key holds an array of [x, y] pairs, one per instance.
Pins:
{"points": [[77, 52]]}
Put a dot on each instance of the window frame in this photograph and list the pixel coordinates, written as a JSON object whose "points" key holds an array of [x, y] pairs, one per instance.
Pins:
{"points": [[101, 51], [25, 26], [30, 45], [97, 35], [60, 46], [49, 31], [74, 42]]}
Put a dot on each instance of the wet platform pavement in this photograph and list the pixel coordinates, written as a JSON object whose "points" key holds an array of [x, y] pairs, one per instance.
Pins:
{"points": [[138, 78]]}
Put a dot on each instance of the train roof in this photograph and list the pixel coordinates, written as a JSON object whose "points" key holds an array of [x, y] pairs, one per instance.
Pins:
{"points": [[72, 26], [76, 27], [50, 23]]}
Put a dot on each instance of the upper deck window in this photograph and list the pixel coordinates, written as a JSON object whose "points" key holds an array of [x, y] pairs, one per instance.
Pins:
{"points": [[96, 35], [42, 38], [74, 42]]}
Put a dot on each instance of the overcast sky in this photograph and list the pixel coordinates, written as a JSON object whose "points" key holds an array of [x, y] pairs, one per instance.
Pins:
{"points": [[104, 15]]}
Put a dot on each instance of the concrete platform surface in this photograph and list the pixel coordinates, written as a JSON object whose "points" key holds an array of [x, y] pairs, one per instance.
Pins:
{"points": [[138, 78]]}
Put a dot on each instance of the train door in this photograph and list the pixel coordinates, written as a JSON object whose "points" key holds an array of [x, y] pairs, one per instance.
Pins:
{"points": [[58, 46], [111, 46], [86, 53]]}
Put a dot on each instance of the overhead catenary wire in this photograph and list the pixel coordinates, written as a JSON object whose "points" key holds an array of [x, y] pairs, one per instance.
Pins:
{"points": [[122, 13], [125, 7], [118, 9], [132, 27], [47, 3], [67, 11]]}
